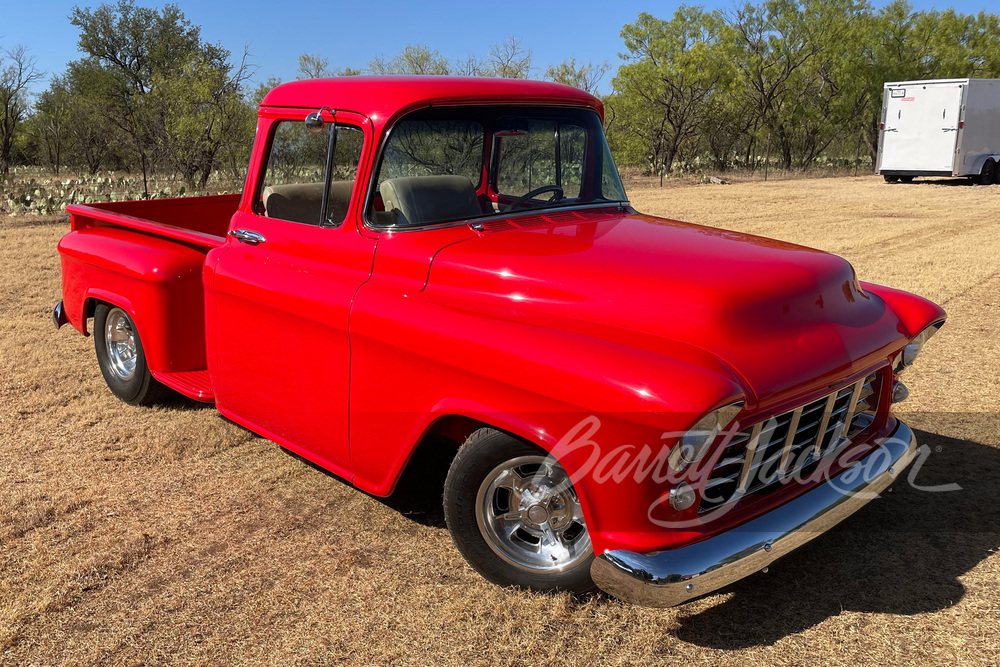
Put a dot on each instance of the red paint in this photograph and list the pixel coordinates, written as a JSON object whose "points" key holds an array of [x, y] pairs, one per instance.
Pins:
{"points": [[348, 345]]}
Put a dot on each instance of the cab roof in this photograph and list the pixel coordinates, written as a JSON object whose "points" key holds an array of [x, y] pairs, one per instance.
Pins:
{"points": [[379, 97]]}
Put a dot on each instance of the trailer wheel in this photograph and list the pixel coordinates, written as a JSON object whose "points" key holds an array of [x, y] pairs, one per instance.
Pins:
{"points": [[906, 179], [121, 357], [987, 174], [890, 179]]}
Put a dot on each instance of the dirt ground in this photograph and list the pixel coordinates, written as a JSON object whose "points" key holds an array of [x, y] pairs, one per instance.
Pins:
{"points": [[136, 535]]}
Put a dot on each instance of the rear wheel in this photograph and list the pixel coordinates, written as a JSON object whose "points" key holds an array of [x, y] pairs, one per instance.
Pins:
{"points": [[890, 179], [515, 516], [121, 357], [906, 179], [986, 175]]}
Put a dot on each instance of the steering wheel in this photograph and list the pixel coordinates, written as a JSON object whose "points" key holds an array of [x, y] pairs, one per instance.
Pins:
{"points": [[534, 193]]}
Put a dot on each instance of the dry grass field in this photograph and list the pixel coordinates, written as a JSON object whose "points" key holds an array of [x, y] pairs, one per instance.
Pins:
{"points": [[132, 535]]}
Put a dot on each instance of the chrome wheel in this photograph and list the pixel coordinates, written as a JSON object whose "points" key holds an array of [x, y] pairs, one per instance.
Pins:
{"points": [[531, 517], [120, 341]]}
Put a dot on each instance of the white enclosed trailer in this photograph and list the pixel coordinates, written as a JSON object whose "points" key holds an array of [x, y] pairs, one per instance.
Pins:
{"points": [[942, 127]]}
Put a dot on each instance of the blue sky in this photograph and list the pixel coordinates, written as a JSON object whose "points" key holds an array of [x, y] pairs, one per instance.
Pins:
{"points": [[351, 33]]}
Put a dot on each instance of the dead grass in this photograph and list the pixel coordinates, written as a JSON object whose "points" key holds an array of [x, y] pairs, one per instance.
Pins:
{"points": [[170, 535]]}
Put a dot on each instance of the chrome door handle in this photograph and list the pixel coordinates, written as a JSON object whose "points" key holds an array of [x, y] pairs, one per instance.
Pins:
{"points": [[247, 236]]}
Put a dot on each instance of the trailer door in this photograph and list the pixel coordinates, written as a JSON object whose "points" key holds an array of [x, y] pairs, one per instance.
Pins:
{"points": [[921, 127]]}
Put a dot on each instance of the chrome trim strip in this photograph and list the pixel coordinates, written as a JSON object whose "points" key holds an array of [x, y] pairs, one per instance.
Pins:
{"points": [[728, 462], [716, 481], [667, 578]]}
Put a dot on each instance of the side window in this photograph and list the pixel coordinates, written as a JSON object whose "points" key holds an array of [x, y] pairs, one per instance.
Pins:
{"points": [[539, 153], [293, 183]]}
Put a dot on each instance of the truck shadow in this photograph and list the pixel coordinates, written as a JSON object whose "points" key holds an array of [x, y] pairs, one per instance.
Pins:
{"points": [[418, 494], [902, 554], [180, 403]]}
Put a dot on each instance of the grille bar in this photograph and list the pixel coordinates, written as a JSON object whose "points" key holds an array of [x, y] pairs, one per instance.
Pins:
{"points": [[748, 456], [793, 426], [827, 413]]}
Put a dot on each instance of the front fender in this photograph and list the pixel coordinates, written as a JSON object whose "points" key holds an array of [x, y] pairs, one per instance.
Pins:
{"points": [[415, 361], [914, 312]]}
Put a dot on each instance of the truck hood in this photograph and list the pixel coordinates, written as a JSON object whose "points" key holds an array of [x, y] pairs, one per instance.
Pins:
{"points": [[786, 318]]}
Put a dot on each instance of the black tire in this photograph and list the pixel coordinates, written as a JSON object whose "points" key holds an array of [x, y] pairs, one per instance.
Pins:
{"points": [[986, 175], [138, 389], [996, 175], [483, 453], [906, 179], [890, 179]]}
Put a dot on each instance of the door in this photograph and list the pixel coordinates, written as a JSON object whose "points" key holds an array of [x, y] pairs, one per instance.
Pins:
{"points": [[283, 291], [921, 127]]}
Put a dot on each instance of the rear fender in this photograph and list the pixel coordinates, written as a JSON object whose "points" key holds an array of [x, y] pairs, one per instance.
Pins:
{"points": [[977, 164], [156, 281]]}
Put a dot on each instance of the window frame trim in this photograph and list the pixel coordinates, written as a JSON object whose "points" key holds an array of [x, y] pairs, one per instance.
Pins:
{"points": [[266, 159]]}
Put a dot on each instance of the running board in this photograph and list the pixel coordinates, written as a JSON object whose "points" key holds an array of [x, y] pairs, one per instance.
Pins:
{"points": [[193, 384]]}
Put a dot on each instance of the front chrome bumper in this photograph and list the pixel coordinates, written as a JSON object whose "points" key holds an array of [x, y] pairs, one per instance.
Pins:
{"points": [[668, 578]]}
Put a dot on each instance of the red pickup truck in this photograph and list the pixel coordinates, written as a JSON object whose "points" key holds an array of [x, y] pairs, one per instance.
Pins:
{"points": [[654, 407]]}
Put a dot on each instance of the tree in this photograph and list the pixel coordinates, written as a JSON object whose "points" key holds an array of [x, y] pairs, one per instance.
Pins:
{"points": [[413, 59], [263, 89], [205, 107], [671, 71], [585, 77], [772, 43], [168, 92], [52, 120], [93, 140], [508, 60], [315, 66], [17, 73]]}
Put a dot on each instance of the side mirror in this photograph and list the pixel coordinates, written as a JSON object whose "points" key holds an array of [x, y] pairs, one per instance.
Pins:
{"points": [[315, 122]]}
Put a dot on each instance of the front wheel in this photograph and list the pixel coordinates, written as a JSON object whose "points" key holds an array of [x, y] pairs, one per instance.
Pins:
{"points": [[515, 516], [121, 357]]}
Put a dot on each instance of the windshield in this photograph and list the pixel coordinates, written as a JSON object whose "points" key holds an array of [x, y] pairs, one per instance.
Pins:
{"points": [[449, 165]]}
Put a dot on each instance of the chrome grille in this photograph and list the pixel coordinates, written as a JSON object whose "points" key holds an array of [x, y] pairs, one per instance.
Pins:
{"points": [[756, 459]]}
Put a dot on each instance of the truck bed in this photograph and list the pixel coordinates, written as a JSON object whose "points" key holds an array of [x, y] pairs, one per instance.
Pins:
{"points": [[199, 221], [147, 258]]}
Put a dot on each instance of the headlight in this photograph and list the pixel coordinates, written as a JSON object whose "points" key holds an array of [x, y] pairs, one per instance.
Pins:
{"points": [[912, 349], [694, 444]]}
